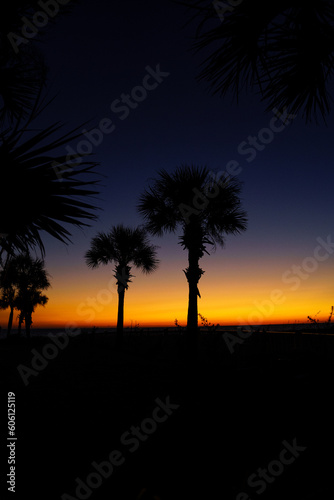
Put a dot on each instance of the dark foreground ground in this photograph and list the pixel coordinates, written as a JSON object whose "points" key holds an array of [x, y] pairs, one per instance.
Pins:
{"points": [[232, 414]]}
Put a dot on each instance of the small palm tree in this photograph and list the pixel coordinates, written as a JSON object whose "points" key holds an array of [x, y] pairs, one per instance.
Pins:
{"points": [[22, 282], [8, 300], [9, 291], [123, 247], [205, 212], [26, 304]]}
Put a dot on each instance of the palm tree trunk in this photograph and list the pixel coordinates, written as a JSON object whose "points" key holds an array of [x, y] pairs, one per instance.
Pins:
{"points": [[20, 324], [28, 322], [193, 274], [192, 317], [10, 320], [120, 315], [123, 275]]}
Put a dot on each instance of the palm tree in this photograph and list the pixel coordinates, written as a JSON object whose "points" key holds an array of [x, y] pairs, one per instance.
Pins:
{"points": [[32, 280], [26, 304], [22, 282], [124, 247], [205, 210], [34, 197], [283, 49], [8, 281], [8, 300]]}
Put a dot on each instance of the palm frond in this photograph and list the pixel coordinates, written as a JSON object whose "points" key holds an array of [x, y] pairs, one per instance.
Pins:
{"points": [[144, 253], [283, 49], [160, 204], [35, 197], [19, 87], [102, 251]]}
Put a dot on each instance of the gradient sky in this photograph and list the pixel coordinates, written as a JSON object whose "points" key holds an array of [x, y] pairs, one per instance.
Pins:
{"points": [[273, 273]]}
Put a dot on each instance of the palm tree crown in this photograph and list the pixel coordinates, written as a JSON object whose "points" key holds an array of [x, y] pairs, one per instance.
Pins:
{"points": [[123, 246], [191, 198]]}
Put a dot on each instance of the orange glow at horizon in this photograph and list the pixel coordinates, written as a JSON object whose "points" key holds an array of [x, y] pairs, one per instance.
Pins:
{"points": [[252, 293]]}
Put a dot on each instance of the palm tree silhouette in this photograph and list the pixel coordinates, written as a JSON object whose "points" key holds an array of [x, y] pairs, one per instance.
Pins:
{"points": [[122, 246], [283, 49], [22, 282], [8, 294], [26, 304], [34, 197], [205, 210]]}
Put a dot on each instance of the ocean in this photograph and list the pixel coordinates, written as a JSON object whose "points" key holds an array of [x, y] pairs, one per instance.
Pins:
{"points": [[289, 327]]}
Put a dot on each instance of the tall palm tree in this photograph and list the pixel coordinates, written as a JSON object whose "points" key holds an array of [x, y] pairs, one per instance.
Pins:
{"points": [[124, 247], [283, 49], [22, 282], [204, 209]]}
